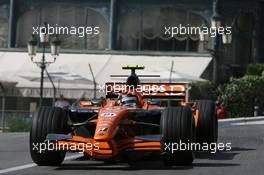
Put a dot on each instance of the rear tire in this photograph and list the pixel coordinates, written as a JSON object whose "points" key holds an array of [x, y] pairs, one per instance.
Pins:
{"points": [[47, 120], [177, 127], [207, 129]]}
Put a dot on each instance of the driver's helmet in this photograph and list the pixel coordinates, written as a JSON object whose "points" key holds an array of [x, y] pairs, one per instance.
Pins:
{"points": [[129, 99]]}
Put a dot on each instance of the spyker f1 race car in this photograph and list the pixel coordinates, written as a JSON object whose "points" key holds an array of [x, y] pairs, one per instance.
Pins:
{"points": [[133, 117]]}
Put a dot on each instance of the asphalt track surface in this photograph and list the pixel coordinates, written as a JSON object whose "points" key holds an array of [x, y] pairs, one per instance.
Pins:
{"points": [[246, 157]]}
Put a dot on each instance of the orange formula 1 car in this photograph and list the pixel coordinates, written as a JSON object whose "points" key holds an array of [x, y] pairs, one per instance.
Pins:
{"points": [[134, 116]]}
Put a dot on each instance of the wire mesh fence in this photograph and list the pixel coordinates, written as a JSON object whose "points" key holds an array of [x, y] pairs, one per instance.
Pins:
{"points": [[15, 121]]}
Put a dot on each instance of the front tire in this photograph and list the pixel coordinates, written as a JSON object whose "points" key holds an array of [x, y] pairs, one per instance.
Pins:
{"points": [[177, 127], [47, 120], [207, 129]]}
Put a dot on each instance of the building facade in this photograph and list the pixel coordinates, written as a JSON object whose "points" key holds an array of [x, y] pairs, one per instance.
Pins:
{"points": [[137, 26]]}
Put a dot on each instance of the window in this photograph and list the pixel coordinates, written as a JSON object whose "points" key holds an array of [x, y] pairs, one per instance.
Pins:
{"points": [[143, 29], [65, 15]]}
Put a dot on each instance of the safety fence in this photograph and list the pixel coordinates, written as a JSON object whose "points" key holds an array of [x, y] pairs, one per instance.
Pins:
{"points": [[15, 121]]}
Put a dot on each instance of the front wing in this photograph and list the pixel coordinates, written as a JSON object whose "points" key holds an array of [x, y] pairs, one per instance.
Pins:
{"points": [[103, 149]]}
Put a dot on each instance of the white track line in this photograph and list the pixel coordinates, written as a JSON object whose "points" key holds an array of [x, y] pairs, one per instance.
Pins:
{"points": [[16, 168], [249, 123], [243, 118], [30, 165]]}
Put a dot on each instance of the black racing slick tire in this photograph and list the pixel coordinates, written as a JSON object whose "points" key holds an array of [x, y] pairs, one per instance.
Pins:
{"points": [[47, 120], [207, 128], [177, 129]]}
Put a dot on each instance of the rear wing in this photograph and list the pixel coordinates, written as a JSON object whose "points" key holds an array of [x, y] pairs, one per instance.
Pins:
{"points": [[150, 90]]}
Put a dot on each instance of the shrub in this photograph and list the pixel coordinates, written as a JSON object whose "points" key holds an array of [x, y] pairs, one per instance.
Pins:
{"points": [[203, 90], [255, 69], [240, 95], [19, 125]]}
